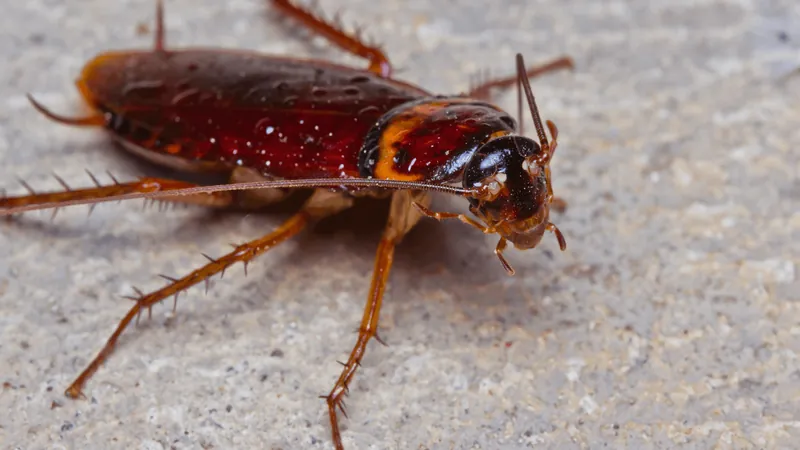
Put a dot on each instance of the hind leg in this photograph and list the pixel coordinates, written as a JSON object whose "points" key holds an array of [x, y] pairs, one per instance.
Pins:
{"points": [[378, 62]]}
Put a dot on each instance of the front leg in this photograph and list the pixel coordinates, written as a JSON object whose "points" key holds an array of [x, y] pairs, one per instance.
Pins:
{"points": [[402, 218]]}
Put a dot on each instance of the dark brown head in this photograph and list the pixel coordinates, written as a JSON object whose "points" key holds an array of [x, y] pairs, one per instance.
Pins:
{"points": [[515, 192], [512, 176]]}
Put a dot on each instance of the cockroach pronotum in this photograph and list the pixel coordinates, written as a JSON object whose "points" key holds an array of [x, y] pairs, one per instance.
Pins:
{"points": [[274, 125]]}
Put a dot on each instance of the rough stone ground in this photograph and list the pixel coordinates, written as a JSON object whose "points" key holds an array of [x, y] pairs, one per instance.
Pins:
{"points": [[672, 321]]}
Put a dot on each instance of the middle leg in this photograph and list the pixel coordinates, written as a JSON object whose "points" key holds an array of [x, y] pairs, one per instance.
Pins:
{"points": [[321, 204], [402, 218]]}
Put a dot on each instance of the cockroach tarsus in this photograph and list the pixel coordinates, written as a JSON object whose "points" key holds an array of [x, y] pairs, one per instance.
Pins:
{"points": [[275, 124]]}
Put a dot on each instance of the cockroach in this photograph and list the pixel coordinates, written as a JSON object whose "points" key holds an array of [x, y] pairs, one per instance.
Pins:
{"points": [[274, 125]]}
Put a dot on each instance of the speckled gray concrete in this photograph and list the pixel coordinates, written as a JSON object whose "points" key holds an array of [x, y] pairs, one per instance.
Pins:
{"points": [[673, 320]]}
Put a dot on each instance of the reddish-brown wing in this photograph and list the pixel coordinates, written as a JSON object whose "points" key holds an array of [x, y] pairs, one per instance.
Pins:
{"points": [[218, 109]]}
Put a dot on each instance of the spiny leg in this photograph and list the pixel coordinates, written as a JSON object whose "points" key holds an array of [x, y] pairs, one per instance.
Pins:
{"points": [[245, 199], [243, 253], [378, 62], [402, 217], [483, 89], [321, 204], [68, 196]]}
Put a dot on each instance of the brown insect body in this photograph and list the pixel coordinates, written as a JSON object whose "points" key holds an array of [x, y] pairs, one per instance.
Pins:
{"points": [[212, 110], [275, 124], [217, 109]]}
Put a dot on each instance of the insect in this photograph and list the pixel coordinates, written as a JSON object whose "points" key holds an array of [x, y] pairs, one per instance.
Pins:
{"points": [[273, 125]]}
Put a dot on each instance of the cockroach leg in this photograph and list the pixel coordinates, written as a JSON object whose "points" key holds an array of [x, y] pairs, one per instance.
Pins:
{"points": [[462, 217], [562, 243], [501, 245], [59, 199], [483, 90], [378, 62], [96, 120], [320, 204], [402, 218], [243, 253]]}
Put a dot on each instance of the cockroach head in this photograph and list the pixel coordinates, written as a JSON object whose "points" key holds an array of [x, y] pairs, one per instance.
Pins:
{"points": [[512, 175]]}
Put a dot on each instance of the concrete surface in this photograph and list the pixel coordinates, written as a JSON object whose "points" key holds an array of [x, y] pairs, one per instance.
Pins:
{"points": [[672, 321]]}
